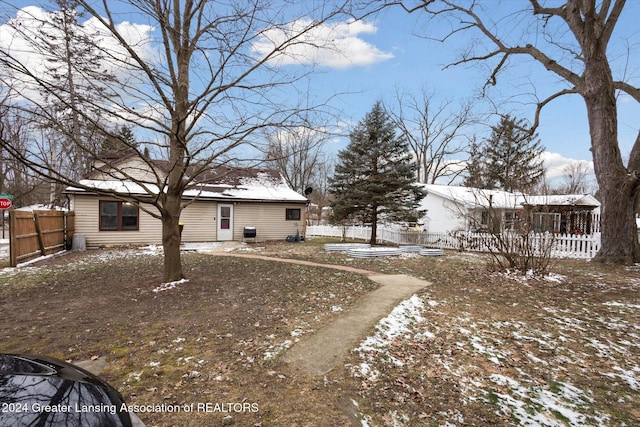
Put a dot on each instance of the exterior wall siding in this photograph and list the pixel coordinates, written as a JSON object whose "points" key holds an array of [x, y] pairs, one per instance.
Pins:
{"points": [[134, 168], [199, 220], [268, 218], [88, 224], [442, 215]]}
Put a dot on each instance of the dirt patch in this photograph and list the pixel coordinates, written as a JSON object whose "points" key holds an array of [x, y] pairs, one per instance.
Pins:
{"points": [[474, 348], [214, 340]]}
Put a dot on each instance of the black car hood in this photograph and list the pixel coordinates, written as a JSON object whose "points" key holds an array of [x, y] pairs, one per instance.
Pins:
{"points": [[43, 391]]}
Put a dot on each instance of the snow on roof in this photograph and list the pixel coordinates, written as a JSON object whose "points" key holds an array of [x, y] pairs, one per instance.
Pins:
{"points": [[260, 188], [218, 182], [562, 200], [118, 186], [474, 197]]}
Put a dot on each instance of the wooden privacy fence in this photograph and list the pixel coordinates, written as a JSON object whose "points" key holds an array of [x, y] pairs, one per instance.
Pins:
{"points": [[562, 246], [38, 233]]}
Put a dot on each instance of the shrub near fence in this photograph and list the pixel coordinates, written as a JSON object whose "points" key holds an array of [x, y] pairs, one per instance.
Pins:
{"points": [[564, 246], [38, 233]]}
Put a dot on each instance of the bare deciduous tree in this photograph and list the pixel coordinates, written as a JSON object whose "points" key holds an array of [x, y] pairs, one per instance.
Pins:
{"points": [[574, 177], [297, 154], [68, 82], [509, 232], [436, 134], [569, 40], [15, 177], [198, 80], [320, 197]]}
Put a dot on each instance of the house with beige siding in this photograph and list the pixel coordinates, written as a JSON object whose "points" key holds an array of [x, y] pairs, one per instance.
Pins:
{"points": [[111, 206]]}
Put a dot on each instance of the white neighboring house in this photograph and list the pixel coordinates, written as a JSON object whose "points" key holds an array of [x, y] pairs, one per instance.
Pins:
{"points": [[455, 208], [564, 213], [222, 203]]}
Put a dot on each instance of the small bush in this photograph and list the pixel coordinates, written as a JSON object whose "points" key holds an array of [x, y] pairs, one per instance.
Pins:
{"points": [[522, 251]]}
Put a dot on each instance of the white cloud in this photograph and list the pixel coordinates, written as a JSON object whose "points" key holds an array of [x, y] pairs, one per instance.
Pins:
{"points": [[136, 35], [337, 45], [554, 164], [19, 39]]}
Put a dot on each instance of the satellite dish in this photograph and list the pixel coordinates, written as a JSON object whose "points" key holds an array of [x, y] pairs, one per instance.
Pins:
{"points": [[308, 191]]}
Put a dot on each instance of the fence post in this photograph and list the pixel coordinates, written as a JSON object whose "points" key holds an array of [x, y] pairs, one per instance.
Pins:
{"points": [[13, 257], [36, 219], [69, 228]]}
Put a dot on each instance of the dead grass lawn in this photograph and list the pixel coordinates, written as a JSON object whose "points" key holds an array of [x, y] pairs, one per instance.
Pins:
{"points": [[475, 348]]}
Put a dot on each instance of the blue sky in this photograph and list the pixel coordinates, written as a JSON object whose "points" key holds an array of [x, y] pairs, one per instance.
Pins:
{"points": [[386, 53], [418, 62]]}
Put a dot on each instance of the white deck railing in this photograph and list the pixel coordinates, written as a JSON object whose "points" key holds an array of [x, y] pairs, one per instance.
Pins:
{"points": [[564, 245]]}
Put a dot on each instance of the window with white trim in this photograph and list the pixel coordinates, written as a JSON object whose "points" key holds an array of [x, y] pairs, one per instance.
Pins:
{"points": [[119, 216]]}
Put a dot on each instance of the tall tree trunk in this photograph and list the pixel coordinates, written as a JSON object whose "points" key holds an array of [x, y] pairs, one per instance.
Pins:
{"points": [[619, 236], [171, 238], [177, 151], [172, 207], [374, 226]]}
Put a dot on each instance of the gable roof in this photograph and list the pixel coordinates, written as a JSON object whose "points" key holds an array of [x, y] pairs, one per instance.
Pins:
{"points": [[475, 197], [197, 173], [586, 200], [220, 182]]}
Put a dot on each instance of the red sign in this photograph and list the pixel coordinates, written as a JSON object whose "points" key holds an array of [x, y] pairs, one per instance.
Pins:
{"points": [[5, 203]]}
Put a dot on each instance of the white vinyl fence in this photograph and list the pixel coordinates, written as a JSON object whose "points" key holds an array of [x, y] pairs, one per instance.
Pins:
{"points": [[564, 245]]}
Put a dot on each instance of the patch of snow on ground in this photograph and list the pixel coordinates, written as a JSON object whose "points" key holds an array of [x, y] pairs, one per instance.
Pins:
{"points": [[521, 278], [200, 246], [408, 255], [91, 258], [515, 393], [366, 371], [274, 350], [4, 248], [13, 271], [397, 323], [493, 355], [531, 404], [556, 278], [621, 305], [103, 256], [170, 285], [41, 258], [630, 376]]}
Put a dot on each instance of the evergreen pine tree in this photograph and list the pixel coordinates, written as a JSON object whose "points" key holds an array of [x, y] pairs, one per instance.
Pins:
{"points": [[119, 143], [512, 156], [72, 90], [375, 175], [476, 171]]}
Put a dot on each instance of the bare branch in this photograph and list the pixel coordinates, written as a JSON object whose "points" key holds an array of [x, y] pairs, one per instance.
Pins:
{"points": [[542, 104], [634, 156], [551, 11], [435, 133], [611, 20], [501, 48], [630, 90]]}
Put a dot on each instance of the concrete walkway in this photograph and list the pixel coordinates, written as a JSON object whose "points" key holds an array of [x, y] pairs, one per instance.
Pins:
{"points": [[323, 350], [326, 348]]}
